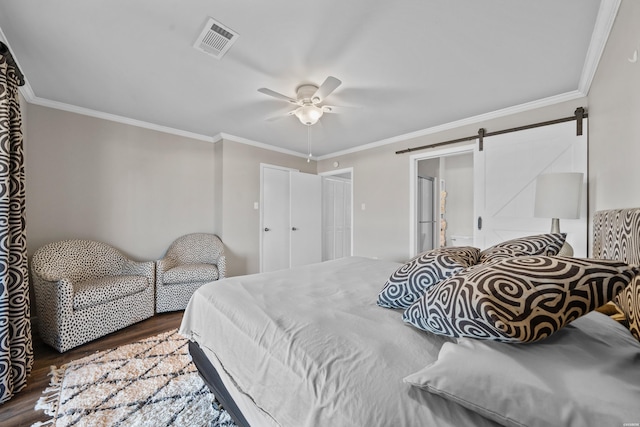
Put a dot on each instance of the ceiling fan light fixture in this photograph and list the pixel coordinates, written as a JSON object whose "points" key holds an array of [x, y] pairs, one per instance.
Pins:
{"points": [[309, 114]]}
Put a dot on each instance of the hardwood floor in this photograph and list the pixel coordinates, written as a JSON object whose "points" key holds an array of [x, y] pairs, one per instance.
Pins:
{"points": [[20, 412]]}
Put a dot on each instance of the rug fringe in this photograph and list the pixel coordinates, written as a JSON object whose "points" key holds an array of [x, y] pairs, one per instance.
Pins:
{"points": [[50, 396]]}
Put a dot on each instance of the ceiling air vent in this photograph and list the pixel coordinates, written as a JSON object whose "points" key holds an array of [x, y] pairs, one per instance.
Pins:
{"points": [[215, 39]]}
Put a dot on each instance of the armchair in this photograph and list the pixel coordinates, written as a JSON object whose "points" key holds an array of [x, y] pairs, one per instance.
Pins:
{"points": [[86, 289], [190, 262]]}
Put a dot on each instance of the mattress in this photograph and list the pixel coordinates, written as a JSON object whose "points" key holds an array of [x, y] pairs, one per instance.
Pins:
{"points": [[310, 347]]}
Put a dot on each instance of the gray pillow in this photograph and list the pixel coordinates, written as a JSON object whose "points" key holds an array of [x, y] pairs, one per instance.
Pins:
{"points": [[586, 375], [520, 299], [541, 244], [409, 282]]}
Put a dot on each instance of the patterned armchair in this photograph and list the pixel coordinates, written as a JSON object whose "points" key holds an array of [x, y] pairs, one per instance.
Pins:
{"points": [[86, 289], [190, 262]]}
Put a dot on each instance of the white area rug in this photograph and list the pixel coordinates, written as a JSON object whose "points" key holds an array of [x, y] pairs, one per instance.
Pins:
{"points": [[147, 383]]}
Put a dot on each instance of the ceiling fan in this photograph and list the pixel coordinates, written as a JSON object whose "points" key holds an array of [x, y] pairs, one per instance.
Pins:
{"points": [[308, 98]]}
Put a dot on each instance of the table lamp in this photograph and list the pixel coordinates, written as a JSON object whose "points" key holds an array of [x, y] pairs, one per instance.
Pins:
{"points": [[558, 196]]}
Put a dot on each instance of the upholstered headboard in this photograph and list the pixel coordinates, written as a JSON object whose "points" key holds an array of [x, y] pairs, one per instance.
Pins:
{"points": [[616, 235]]}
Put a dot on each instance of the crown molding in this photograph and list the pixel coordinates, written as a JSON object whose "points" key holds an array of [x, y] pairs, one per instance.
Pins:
{"points": [[545, 102], [569, 96], [115, 118], [241, 140], [604, 23]]}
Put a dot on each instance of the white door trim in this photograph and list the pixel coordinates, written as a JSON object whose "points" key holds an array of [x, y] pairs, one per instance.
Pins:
{"points": [[413, 189]]}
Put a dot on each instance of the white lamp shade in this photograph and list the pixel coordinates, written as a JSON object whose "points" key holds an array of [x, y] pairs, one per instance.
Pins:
{"points": [[558, 195]]}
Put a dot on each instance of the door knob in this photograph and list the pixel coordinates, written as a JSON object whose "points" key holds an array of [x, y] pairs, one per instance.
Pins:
{"points": [[293, 228], [267, 229]]}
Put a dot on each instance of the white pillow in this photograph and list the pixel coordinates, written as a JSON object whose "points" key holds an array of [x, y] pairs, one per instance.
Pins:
{"points": [[585, 375]]}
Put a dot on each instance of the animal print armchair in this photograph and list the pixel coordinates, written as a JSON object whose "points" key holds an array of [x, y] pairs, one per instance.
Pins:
{"points": [[190, 262], [86, 289]]}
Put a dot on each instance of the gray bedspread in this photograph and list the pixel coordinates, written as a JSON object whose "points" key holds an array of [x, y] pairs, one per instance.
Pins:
{"points": [[311, 347]]}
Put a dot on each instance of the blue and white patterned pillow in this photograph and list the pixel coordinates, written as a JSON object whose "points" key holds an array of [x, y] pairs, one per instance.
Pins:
{"points": [[521, 299], [541, 244], [409, 282]]}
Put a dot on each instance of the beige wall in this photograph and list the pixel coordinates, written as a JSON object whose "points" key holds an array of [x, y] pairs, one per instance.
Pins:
{"points": [[239, 177], [381, 181], [614, 117], [134, 188]]}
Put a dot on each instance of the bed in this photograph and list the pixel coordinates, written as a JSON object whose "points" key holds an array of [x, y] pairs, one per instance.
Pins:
{"points": [[324, 345]]}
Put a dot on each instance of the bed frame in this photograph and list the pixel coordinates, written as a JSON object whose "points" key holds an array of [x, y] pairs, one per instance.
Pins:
{"points": [[616, 236], [215, 384]]}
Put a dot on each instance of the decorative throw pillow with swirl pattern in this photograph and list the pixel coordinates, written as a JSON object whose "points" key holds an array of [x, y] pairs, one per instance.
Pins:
{"points": [[541, 244], [521, 299], [409, 282], [629, 302]]}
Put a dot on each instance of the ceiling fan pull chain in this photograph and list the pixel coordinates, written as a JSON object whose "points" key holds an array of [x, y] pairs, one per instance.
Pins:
{"points": [[309, 143]]}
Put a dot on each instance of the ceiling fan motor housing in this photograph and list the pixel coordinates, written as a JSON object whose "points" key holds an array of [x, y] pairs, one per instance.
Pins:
{"points": [[305, 92]]}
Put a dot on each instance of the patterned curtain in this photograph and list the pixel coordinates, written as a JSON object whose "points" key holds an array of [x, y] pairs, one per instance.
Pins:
{"points": [[16, 349]]}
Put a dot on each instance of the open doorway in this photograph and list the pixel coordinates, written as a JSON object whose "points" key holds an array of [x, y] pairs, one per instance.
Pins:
{"points": [[442, 199], [337, 214], [426, 215]]}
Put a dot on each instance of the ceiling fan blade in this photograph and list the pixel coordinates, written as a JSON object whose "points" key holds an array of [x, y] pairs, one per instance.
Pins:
{"points": [[329, 85], [281, 116], [276, 95]]}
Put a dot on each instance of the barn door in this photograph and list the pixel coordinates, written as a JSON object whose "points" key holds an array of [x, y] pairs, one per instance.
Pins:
{"points": [[505, 173]]}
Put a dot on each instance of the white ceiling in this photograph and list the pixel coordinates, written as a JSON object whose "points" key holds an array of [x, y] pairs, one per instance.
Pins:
{"points": [[407, 65]]}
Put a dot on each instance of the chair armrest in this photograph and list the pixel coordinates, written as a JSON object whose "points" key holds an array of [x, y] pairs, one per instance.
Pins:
{"points": [[164, 264], [222, 267], [54, 300], [144, 268]]}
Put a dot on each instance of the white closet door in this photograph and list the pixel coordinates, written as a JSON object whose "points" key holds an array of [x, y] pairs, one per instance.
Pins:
{"points": [[306, 218], [346, 239], [336, 217], [275, 219], [339, 209], [328, 219], [505, 177]]}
